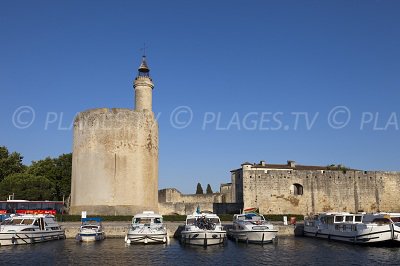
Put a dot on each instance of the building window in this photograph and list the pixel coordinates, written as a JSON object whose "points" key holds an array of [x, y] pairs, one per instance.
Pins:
{"points": [[297, 189]]}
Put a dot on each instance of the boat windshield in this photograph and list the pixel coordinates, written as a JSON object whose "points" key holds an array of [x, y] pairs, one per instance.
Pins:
{"points": [[396, 219], [89, 226], [17, 221], [191, 221], [142, 220]]}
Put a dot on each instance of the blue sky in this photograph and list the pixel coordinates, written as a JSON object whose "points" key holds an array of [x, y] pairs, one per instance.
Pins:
{"points": [[249, 72]]}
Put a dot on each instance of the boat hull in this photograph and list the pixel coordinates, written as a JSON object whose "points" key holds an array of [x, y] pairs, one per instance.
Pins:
{"points": [[370, 236], [90, 237], [138, 238], [253, 236], [22, 238], [203, 237]]}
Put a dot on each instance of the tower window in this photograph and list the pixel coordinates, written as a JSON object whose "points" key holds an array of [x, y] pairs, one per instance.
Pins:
{"points": [[297, 189]]}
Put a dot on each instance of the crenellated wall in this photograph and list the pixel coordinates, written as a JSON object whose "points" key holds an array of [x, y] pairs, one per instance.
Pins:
{"points": [[275, 191]]}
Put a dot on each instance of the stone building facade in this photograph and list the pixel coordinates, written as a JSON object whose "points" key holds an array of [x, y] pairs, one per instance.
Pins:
{"points": [[172, 201], [115, 156], [301, 189]]}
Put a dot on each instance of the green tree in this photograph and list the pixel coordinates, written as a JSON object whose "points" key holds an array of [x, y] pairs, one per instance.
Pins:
{"points": [[199, 189], [10, 163], [208, 189], [27, 186], [57, 170]]}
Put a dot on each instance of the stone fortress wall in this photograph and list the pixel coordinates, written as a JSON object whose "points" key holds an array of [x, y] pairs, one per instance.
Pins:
{"points": [[172, 201], [293, 189], [115, 156], [310, 189]]}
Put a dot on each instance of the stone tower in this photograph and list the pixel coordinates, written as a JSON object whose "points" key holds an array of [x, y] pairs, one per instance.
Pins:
{"points": [[115, 156]]}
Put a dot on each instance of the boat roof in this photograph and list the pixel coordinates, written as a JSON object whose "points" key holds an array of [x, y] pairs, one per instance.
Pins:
{"points": [[147, 214], [338, 213], [31, 216]]}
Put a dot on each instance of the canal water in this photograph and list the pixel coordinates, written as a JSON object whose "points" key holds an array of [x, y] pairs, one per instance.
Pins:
{"points": [[287, 251]]}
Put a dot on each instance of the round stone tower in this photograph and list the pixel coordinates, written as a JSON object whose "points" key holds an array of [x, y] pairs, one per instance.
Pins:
{"points": [[115, 156]]}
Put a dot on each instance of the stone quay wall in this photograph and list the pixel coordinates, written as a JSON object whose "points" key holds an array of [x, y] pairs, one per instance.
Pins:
{"points": [[120, 229]]}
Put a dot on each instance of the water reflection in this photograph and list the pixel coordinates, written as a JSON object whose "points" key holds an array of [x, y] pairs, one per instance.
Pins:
{"points": [[288, 250]]}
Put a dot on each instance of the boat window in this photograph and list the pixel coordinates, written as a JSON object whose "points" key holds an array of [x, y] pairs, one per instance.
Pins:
{"points": [[396, 219], [214, 220], [191, 221], [27, 221], [28, 229], [381, 221], [145, 221], [349, 218], [16, 221], [250, 216], [157, 220], [338, 219], [357, 218], [241, 218]]}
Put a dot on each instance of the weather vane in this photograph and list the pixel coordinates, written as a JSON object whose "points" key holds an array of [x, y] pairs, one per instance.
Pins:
{"points": [[144, 49]]}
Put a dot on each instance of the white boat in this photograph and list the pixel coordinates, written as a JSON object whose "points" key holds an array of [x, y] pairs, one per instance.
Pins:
{"points": [[358, 228], [252, 228], [29, 229], [395, 220], [147, 227], [91, 230], [203, 229]]}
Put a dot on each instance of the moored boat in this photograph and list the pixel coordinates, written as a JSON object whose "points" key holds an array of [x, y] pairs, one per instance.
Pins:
{"points": [[203, 229], [395, 221], [29, 229], [147, 227], [91, 229], [252, 228], [357, 228]]}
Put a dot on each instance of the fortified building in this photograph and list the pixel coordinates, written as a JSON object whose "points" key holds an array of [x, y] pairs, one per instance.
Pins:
{"points": [[115, 156]]}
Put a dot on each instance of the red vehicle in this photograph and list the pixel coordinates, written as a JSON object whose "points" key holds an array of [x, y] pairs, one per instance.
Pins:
{"points": [[31, 207]]}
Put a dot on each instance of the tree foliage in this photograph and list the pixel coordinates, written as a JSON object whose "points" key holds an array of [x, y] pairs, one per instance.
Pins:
{"points": [[199, 189], [57, 170], [209, 189], [27, 186], [47, 179], [10, 163]]}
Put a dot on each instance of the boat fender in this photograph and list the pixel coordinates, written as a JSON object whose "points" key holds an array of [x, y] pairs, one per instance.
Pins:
{"points": [[145, 240], [126, 239], [13, 240], [262, 240]]}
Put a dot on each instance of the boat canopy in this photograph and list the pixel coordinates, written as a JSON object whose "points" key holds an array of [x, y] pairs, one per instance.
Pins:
{"points": [[95, 219]]}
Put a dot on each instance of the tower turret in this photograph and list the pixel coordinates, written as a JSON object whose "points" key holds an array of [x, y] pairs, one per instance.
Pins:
{"points": [[143, 86]]}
